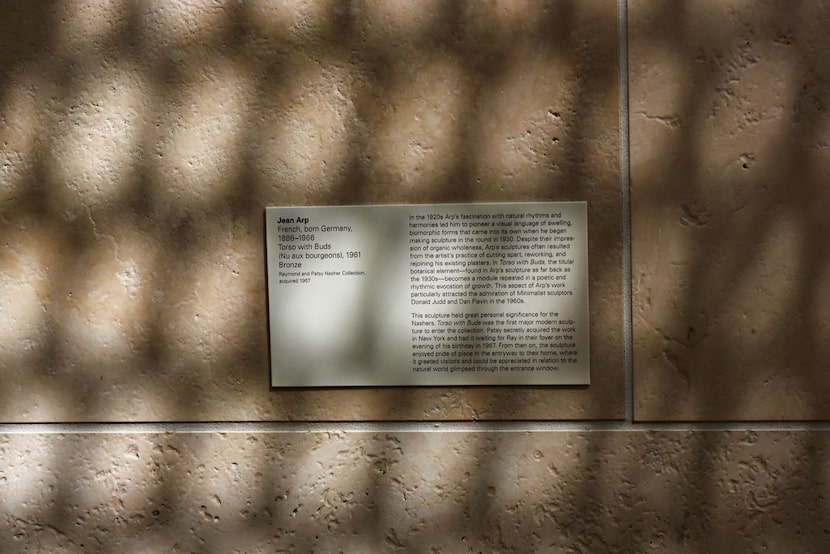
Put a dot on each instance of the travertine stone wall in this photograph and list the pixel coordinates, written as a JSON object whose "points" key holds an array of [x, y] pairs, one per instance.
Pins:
{"points": [[416, 492], [141, 140], [730, 157]]}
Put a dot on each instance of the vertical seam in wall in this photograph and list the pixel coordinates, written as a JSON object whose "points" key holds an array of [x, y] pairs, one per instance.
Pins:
{"points": [[625, 190]]}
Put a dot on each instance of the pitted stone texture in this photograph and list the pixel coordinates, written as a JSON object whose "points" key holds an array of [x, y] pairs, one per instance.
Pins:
{"points": [[142, 141], [730, 152], [416, 492]]}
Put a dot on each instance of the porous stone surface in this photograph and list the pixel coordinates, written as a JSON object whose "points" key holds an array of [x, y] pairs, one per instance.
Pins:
{"points": [[141, 142], [730, 152], [415, 492]]}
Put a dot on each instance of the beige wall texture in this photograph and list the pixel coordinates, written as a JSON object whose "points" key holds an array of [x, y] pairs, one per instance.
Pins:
{"points": [[142, 140]]}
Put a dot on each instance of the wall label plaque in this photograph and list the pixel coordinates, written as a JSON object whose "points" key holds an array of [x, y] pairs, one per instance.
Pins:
{"points": [[444, 294]]}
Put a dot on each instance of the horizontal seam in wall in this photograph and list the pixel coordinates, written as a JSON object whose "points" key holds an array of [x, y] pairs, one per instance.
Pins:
{"points": [[404, 427]]}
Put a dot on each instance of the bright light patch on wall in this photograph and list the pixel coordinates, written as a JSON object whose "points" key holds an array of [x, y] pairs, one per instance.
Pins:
{"points": [[20, 304], [207, 309], [200, 137], [183, 24], [97, 138], [83, 26], [28, 478], [306, 142]]}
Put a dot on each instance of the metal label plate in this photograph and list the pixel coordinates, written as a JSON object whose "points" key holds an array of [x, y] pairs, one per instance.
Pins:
{"points": [[425, 295]]}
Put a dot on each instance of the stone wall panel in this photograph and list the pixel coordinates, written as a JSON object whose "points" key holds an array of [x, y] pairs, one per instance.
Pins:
{"points": [[142, 142], [415, 492], [729, 156]]}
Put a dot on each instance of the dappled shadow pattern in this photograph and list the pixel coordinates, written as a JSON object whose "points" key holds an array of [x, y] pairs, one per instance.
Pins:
{"points": [[142, 141], [140, 146], [730, 152], [416, 492]]}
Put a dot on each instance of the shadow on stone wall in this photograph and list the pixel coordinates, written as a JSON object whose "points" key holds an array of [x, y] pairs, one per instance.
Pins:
{"points": [[730, 136], [141, 143], [431, 492]]}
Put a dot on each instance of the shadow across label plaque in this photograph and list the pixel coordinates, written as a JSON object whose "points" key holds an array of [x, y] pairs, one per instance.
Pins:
{"points": [[445, 294]]}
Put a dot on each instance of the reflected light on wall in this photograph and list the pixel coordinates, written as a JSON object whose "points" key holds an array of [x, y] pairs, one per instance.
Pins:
{"points": [[97, 135], [22, 289], [109, 299], [82, 27], [179, 26], [201, 311], [305, 137], [198, 137]]}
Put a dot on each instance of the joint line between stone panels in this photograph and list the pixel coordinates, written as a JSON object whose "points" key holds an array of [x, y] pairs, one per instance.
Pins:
{"points": [[748, 426], [405, 427], [306, 427], [625, 191]]}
